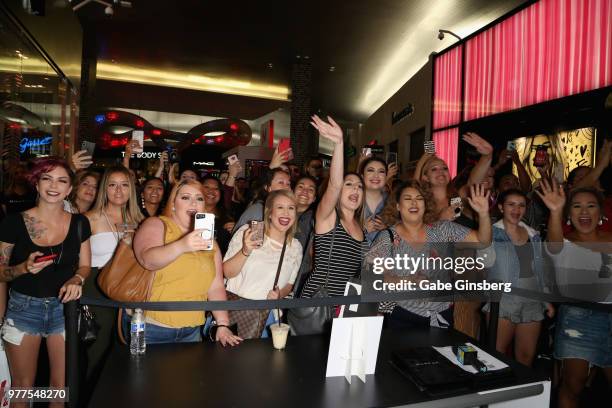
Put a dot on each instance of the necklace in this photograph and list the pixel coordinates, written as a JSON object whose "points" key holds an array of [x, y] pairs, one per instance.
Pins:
{"points": [[118, 235]]}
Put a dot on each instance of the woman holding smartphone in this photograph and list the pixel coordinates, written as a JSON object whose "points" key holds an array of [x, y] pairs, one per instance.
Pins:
{"points": [[45, 254], [186, 269], [251, 261]]}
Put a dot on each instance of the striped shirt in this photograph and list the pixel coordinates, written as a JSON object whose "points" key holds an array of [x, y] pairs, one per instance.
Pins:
{"points": [[439, 236], [344, 264]]}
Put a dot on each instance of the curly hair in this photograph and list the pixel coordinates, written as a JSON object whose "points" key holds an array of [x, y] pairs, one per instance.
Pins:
{"points": [[390, 215]]}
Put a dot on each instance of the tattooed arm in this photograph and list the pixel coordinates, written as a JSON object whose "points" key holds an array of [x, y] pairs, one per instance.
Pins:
{"points": [[8, 273]]}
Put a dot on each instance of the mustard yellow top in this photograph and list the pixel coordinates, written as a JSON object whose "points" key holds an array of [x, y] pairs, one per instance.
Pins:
{"points": [[188, 278]]}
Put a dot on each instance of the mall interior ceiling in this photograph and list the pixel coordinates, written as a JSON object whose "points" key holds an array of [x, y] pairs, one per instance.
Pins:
{"points": [[361, 51]]}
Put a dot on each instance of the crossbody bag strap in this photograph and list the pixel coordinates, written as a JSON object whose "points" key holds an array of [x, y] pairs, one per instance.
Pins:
{"points": [[280, 262], [331, 248]]}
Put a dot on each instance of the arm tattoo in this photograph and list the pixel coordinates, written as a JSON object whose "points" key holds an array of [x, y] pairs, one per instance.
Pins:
{"points": [[35, 228], [7, 273]]}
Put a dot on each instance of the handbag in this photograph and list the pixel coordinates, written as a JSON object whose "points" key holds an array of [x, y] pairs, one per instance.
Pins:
{"points": [[87, 327], [314, 319], [123, 279], [252, 322]]}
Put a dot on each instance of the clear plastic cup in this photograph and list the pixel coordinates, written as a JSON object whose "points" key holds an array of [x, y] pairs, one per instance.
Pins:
{"points": [[279, 335]]}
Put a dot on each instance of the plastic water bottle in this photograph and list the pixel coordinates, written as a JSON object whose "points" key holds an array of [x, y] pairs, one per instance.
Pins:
{"points": [[137, 333]]}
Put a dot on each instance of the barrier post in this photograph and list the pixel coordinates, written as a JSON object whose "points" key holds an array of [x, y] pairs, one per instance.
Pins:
{"points": [[493, 320], [72, 351]]}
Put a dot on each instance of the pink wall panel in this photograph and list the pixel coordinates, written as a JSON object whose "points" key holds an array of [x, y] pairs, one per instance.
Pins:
{"points": [[447, 143], [447, 89], [549, 50]]}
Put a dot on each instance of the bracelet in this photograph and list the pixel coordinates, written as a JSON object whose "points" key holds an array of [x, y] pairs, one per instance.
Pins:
{"points": [[81, 278], [247, 255]]}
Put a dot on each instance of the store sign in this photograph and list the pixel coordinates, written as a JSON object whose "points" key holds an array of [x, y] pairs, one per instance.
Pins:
{"points": [[144, 155], [29, 143]]}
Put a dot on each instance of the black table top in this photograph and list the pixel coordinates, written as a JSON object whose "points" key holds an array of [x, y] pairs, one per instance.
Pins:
{"points": [[254, 374]]}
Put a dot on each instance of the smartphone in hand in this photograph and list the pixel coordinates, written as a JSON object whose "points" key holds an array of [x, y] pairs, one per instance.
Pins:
{"points": [[44, 258], [139, 136], [429, 147], [391, 157], [232, 159], [366, 151], [257, 228], [511, 145], [206, 223], [89, 147], [284, 145]]}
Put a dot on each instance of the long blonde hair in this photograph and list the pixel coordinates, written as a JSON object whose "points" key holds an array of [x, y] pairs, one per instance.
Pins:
{"points": [[168, 209], [268, 211], [131, 211]]}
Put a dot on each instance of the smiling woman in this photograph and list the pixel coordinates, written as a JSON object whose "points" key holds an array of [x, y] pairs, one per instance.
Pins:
{"points": [[45, 254]]}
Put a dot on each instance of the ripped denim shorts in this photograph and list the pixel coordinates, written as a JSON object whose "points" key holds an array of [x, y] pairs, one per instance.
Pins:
{"points": [[31, 315], [585, 334]]}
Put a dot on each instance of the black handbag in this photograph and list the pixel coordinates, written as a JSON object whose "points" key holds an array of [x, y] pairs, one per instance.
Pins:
{"points": [[87, 327], [314, 319]]}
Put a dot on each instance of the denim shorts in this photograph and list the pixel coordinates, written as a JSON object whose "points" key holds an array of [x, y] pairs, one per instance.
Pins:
{"points": [[33, 316], [155, 334], [585, 334]]}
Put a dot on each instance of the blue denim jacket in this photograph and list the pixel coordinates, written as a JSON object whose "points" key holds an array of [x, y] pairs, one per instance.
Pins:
{"points": [[505, 265]]}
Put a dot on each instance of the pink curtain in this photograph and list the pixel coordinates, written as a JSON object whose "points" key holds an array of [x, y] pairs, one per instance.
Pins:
{"points": [[447, 89], [551, 49], [447, 143]]}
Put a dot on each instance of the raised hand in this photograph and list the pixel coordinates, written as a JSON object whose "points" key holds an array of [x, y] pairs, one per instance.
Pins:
{"points": [[479, 199], [392, 171], [234, 169], [552, 195], [81, 160], [278, 158], [331, 131], [482, 146]]}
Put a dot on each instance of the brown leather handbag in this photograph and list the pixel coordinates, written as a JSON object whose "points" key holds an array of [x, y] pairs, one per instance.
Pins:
{"points": [[123, 279]]}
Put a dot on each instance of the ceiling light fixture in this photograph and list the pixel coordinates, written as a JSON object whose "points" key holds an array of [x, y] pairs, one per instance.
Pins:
{"points": [[187, 80]]}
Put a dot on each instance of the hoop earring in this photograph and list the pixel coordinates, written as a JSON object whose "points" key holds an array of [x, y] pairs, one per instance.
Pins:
{"points": [[601, 220]]}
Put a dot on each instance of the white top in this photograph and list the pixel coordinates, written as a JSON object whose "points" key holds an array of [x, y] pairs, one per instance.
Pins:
{"points": [[577, 272], [256, 278], [103, 246]]}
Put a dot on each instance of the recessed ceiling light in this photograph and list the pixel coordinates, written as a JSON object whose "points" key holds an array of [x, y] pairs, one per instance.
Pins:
{"points": [[270, 65], [332, 68]]}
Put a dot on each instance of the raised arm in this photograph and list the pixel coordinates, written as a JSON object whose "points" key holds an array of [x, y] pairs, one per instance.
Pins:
{"points": [[163, 159], [479, 201], [553, 197], [485, 149], [325, 215], [418, 171], [603, 161], [523, 176], [149, 245]]}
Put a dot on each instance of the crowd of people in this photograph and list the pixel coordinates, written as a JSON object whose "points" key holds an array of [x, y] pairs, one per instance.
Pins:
{"points": [[62, 223]]}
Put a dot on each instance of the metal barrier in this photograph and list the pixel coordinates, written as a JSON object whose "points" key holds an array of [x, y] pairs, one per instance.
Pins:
{"points": [[71, 313]]}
